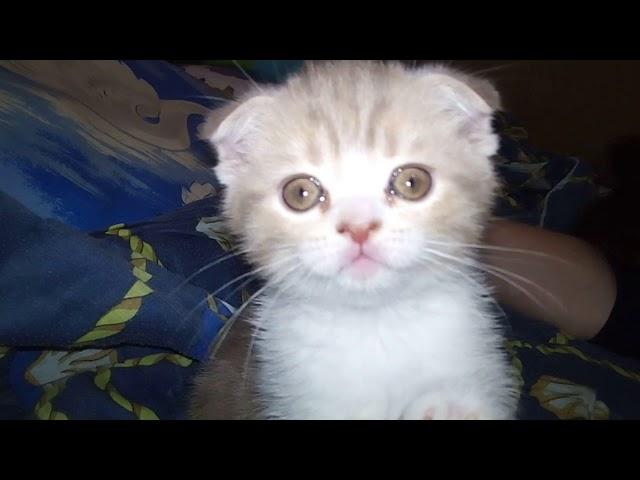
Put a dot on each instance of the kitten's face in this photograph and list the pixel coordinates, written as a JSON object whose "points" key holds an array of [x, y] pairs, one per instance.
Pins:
{"points": [[350, 176]]}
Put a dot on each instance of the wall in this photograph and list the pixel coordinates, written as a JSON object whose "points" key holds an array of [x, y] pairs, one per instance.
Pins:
{"points": [[574, 107]]}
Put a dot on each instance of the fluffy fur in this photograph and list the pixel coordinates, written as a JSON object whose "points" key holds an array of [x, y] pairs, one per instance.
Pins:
{"points": [[412, 339]]}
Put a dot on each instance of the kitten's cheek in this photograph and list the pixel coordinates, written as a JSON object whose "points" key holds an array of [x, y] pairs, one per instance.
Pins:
{"points": [[388, 253], [321, 263], [403, 254], [402, 258]]}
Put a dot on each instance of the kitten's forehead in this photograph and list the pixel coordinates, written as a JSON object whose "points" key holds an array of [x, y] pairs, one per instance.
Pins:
{"points": [[350, 151], [335, 135], [352, 123], [358, 172]]}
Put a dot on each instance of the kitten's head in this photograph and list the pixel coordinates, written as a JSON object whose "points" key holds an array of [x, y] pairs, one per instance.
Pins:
{"points": [[347, 177]]}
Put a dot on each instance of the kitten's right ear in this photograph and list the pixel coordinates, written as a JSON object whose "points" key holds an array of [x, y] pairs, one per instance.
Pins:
{"points": [[232, 131]]}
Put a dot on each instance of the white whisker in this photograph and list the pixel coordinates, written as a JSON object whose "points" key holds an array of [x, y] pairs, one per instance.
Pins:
{"points": [[224, 331], [468, 277], [252, 272], [188, 233], [222, 334], [232, 254], [212, 97], [527, 281], [231, 282], [255, 84], [502, 274], [257, 327], [494, 68], [501, 249]]}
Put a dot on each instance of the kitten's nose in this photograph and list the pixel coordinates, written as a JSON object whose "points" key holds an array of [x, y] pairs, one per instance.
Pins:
{"points": [[359, 232]]}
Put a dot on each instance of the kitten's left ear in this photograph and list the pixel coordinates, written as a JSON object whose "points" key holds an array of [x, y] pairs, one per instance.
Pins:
{"points": [[468, 106], [232, 131]]}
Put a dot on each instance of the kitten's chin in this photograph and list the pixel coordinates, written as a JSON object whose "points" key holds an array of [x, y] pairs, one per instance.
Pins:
{"points": [[364, 274], [347, 273], [365, 286]]}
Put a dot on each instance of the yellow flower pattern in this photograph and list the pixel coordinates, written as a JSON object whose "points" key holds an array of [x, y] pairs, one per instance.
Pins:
{"points": [[53, 367], [568, 400]]}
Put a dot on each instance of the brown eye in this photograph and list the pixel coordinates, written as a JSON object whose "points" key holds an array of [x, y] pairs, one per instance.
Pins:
{"points": [[302, 193], [410, 182]]}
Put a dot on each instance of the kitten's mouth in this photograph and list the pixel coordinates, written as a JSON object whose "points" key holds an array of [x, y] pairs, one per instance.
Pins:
{"points": [[362, 257], [362, 265]]}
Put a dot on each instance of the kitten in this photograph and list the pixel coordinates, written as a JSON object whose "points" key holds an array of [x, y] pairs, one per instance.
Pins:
{"points": [[357, 189]]}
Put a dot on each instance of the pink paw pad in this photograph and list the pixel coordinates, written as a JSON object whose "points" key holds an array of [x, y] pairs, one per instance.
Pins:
{"points": [[450, 412]]}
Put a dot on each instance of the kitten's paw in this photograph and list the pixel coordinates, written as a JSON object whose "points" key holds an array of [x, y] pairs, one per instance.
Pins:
{"points": [[436, 407], [449, 411]]}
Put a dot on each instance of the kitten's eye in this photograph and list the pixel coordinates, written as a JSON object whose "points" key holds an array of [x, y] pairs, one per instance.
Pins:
{"points": [[302, 193], [410, 182]]}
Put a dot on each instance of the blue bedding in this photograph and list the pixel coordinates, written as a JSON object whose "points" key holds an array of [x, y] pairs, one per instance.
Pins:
{"points": [[109, 211]]}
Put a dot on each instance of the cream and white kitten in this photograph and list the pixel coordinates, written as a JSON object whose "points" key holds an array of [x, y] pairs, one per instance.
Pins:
{"points": [[357, 189]]}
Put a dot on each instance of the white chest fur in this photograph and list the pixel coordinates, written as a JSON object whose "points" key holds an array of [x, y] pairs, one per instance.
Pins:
{"points": [[324, 361]]}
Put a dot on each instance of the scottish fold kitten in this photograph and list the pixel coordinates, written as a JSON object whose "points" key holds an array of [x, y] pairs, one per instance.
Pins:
{"points": [[356, 189]]}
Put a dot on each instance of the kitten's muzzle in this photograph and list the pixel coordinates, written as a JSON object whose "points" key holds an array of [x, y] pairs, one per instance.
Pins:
{"points": [[359, 233]]}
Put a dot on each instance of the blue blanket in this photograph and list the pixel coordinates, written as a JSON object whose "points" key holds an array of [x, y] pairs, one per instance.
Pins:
{"points": [[108, 305]]}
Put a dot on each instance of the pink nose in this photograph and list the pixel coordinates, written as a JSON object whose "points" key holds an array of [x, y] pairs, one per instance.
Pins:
{"points": [[359, 233]]}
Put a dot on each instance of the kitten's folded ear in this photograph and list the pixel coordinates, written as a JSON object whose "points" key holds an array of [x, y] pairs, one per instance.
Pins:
{"points": [[232, 131], [471, 101]]}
